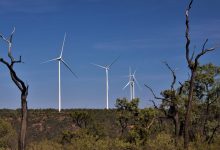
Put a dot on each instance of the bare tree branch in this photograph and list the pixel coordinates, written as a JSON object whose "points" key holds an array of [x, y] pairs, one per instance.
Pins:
{"points": [[173, 73], [151, 123], [153, 93], [204, 51], [181, 88], [9, 42], [217, 98], [213, 133], [155, 106], [187, 34], [161, 108], [192, 56]]}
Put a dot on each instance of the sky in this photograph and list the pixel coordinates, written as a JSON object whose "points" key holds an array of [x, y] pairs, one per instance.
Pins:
{"points": [[142, 32]]}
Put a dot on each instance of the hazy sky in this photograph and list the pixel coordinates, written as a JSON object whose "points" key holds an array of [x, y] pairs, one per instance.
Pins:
{"points": [[143, 32]]}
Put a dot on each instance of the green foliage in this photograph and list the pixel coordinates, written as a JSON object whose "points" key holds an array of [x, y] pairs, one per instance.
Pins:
{"points": [[136, 124], [206, 77], [124, 104], [127, 114], [80, 118], [199, 144], [82, 139]]}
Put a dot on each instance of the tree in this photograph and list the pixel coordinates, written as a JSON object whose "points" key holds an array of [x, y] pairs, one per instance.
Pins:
{"points": [[135, 123], [81, 118], [171, 103], [21, 86], [126, 110], [193, 62], [207, 92]]}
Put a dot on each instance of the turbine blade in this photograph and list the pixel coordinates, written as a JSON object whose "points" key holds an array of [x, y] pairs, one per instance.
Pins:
{"points": [[134, 72], [98, 65], [11, 36], [69, 68], [64, 39], [137, 82], [113, 62], [129, 71], [49, 60], [126, 85]]}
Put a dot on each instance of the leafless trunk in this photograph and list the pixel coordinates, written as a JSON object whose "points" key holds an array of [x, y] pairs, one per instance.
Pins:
{"points": [[23, 130], [192, 65], [21, 86], [177, 127], [188, 111]]}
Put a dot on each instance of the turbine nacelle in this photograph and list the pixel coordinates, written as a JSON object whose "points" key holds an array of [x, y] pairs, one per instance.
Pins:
{"points": [[107, 67]]}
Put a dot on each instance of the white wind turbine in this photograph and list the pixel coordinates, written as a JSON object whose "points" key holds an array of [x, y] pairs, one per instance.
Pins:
{"points": [[107, 68], [60, 59], [131, 82]]}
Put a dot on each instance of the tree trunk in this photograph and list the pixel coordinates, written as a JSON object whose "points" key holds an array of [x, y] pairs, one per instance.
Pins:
{"points": [[188, 110], [205, 118], [23, 130], [177, 127]]}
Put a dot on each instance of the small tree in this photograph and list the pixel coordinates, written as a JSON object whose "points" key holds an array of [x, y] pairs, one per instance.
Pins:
{"points": [[127, 113], [171, 103], [81, 118], [21, 86]]}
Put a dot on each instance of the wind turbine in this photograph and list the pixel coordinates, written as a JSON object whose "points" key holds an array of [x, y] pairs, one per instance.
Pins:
{"points": [[107, 68], [60, 59], [131, 82]]}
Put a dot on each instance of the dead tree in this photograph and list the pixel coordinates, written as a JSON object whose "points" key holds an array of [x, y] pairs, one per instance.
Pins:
{"points": [[170, 97], [21, 86], [193, 62]]}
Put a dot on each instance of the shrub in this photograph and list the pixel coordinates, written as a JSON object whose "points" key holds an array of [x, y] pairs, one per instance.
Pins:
{"points": [[8, 136], [44, 145], [162, 141]]}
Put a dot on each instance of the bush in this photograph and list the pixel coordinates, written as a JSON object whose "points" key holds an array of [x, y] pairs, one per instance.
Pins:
{"points": [[8, 136], [44, 145], [201, 145], [162, 141]]}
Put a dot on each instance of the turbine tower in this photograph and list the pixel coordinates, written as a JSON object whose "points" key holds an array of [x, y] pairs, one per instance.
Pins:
{"points": [[60, 59], [107, 68], [131, 83]]}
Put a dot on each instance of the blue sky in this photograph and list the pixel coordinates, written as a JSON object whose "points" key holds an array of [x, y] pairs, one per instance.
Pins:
{"points": [[143, 32]]}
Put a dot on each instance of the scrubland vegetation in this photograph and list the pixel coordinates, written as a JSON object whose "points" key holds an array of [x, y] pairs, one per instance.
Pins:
{"points": [[127, 126]]}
